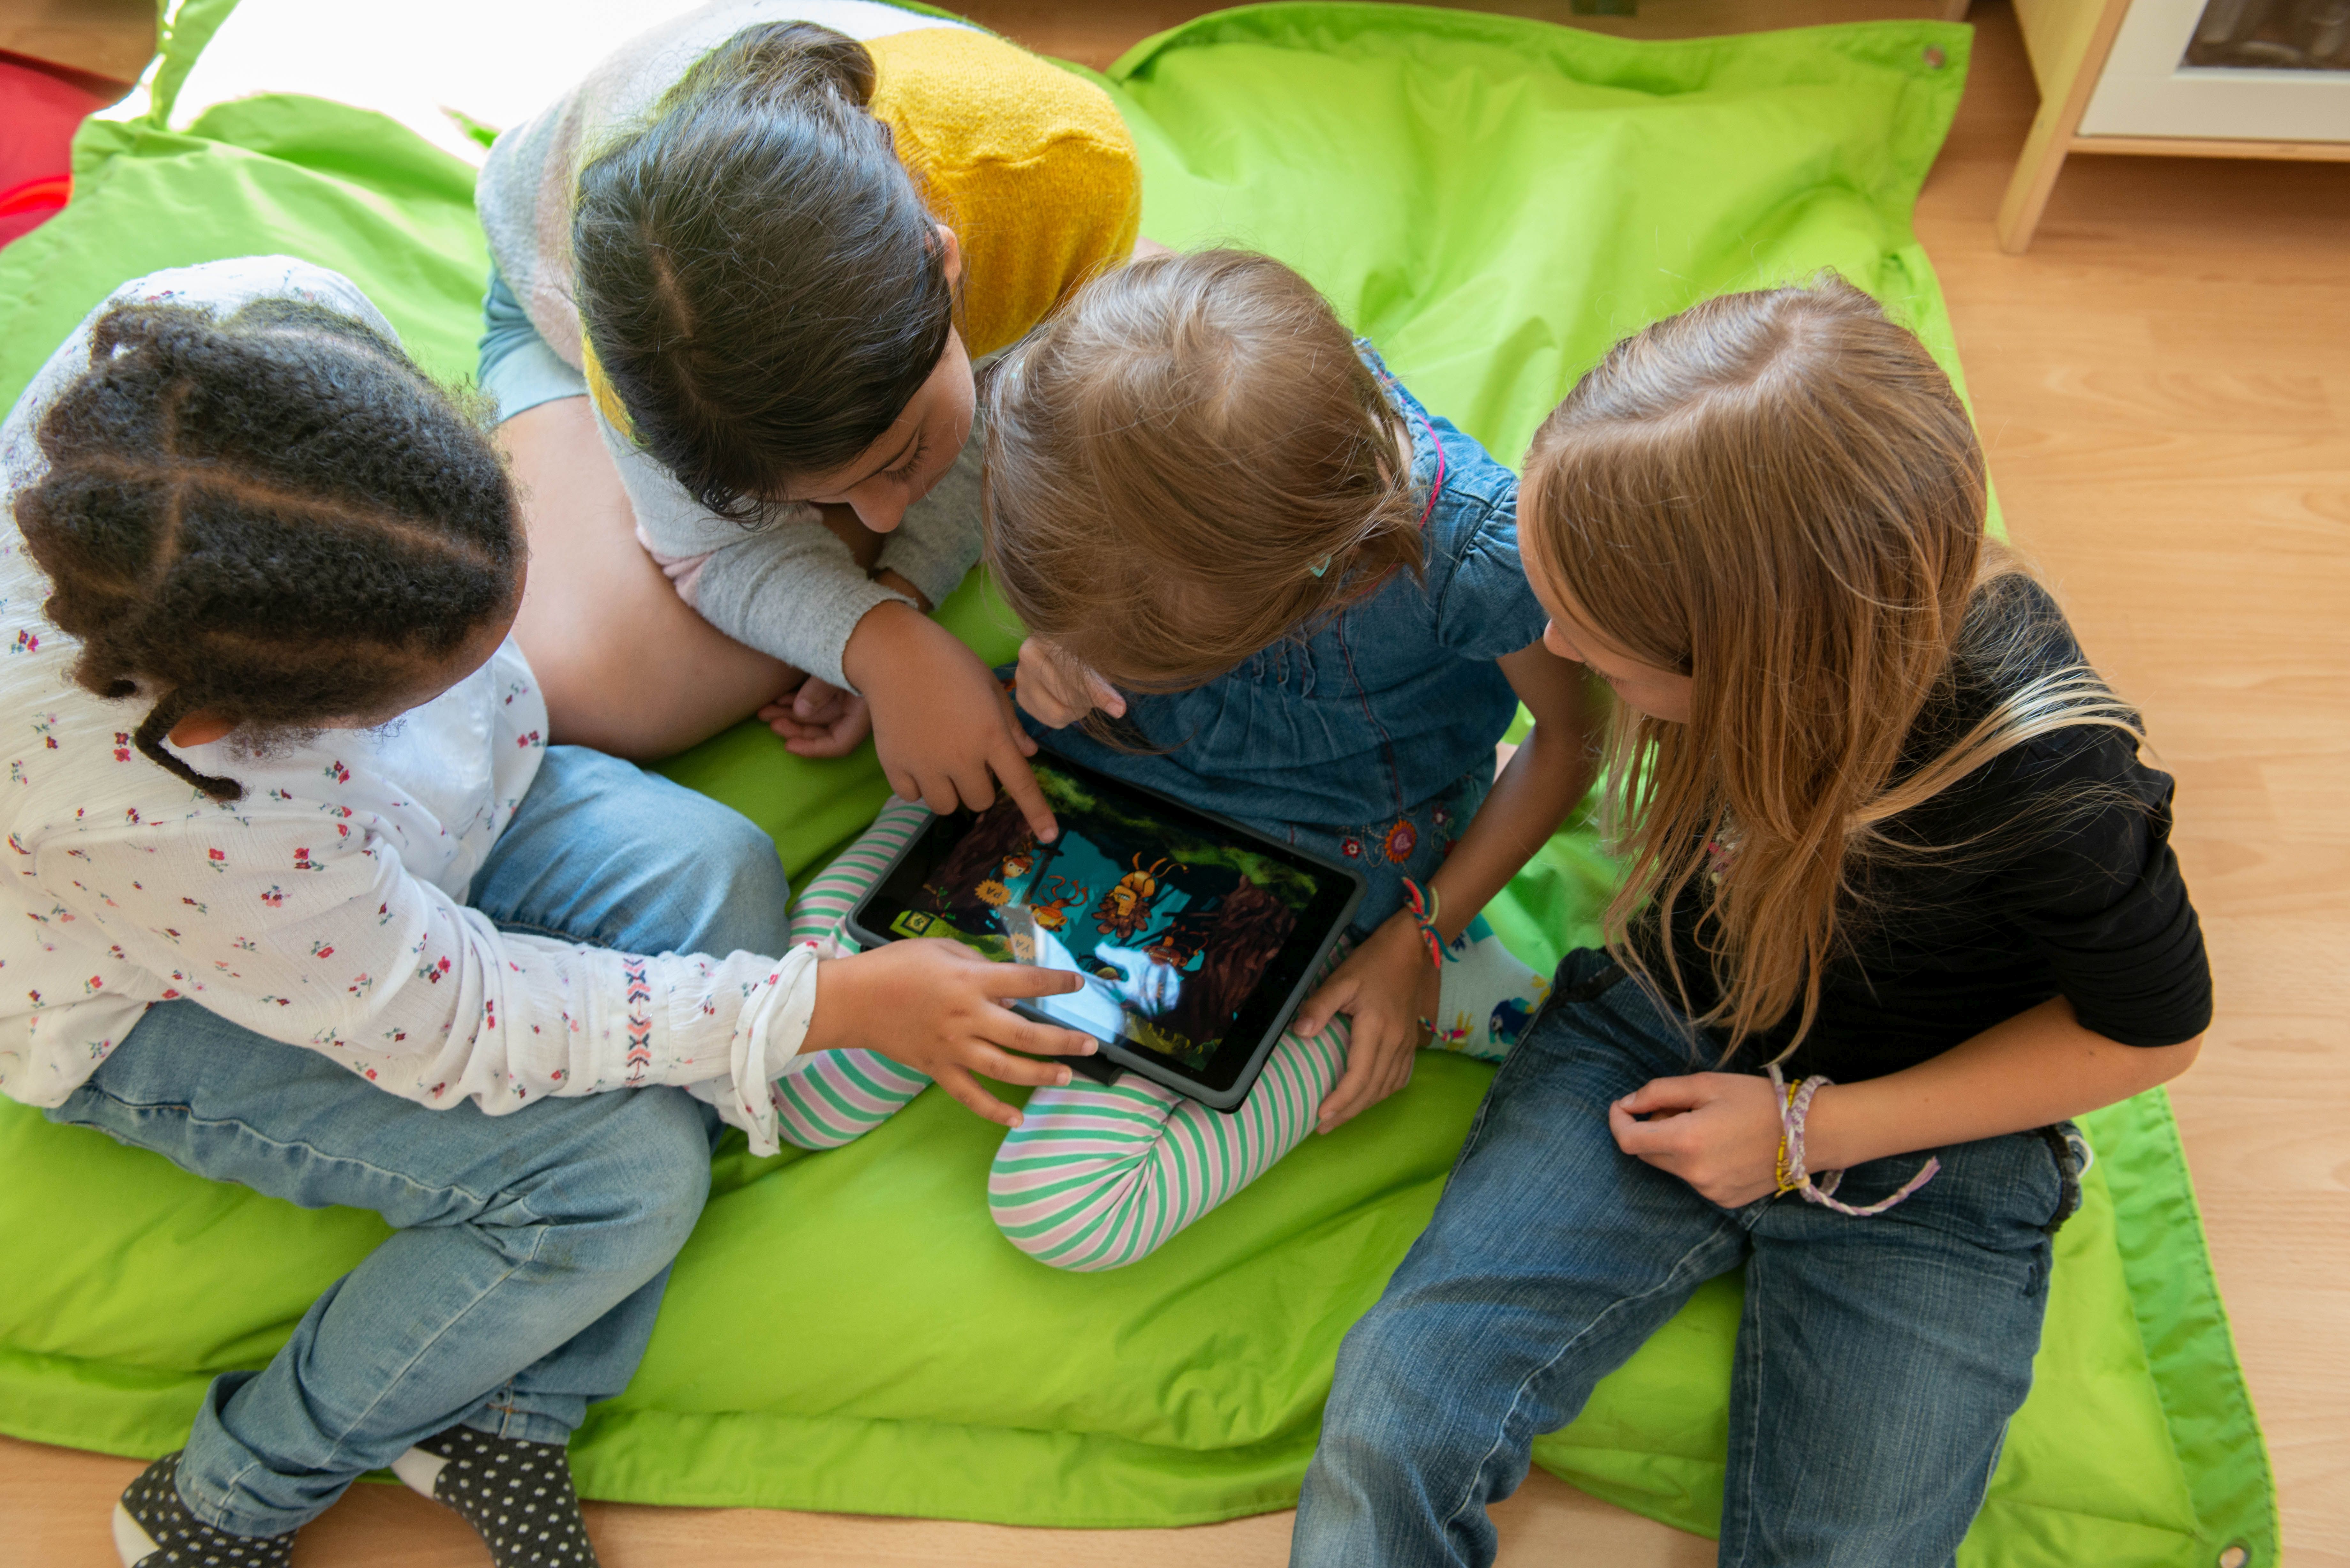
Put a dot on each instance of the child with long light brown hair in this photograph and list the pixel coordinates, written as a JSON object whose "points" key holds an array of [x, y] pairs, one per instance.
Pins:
{"points": [[1901, 903], [1259, 576]]}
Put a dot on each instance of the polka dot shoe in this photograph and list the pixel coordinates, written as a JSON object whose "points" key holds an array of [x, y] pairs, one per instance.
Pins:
{"points": [[153, 1528], [517, 1495]]}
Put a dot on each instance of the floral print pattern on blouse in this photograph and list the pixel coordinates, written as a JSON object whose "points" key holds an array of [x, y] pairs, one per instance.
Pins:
{"points": [[326, 908]]}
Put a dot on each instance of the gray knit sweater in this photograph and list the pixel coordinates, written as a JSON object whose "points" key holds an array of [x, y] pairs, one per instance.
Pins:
{"points": [[785, 585]]}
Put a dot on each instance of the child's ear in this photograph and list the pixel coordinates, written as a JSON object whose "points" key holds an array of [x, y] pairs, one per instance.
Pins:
{"points": [[201, 729], [954, 255]]}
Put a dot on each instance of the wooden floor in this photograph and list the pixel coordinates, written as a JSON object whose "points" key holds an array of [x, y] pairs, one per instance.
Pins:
{"points": [[2164, 383]]}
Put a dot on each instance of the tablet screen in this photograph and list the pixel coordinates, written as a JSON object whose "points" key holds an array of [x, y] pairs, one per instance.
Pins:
{"points": [[1190, 934]]}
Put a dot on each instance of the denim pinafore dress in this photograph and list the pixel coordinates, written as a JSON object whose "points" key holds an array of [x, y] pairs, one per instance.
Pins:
{"points": [[1371, 741]]}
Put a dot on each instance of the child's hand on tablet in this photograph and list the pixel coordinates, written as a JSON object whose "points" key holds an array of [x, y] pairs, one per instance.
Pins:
{"points": [[943, 727], [940, 1008], [1385, 987]]}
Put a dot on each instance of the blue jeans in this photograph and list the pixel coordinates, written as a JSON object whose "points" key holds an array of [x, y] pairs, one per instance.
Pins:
{"points": [[1877, 1360], [531, 1248]]}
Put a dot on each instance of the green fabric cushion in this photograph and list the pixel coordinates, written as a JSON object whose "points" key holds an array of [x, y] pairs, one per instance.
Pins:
{"points": [[1490, 201]]}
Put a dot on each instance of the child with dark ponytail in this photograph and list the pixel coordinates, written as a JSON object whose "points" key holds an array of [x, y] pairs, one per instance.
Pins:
{"points": [[299, 898], [743, 271]]}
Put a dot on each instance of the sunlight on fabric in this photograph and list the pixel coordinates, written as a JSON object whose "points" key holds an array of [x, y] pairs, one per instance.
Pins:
{"points": [[454, 71]]}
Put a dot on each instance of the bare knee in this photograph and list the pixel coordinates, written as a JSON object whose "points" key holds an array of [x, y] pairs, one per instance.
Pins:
{"points": [[599, 694], [626, 665]]}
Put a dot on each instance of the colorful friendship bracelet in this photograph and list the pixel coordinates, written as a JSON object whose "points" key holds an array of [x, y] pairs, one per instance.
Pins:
{"points": [[1423, 912], [1794, 1104]]}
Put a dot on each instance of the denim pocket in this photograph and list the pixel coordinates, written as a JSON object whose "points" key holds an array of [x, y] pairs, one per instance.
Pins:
{"points": [[1586, 974]]}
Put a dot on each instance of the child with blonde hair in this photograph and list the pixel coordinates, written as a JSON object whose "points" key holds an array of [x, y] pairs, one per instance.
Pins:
{"points": [[1260, 577], [1901, 903]]}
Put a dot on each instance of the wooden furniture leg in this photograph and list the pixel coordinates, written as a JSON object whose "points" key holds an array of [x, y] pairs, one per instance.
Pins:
{"points": [[2068, 41]]}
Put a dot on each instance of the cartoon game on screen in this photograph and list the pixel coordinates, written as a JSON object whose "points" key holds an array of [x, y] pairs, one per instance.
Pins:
{"points": [[1170, 930]]}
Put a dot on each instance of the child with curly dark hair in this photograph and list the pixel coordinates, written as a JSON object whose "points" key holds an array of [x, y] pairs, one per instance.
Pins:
{"points": [[309, 904]]}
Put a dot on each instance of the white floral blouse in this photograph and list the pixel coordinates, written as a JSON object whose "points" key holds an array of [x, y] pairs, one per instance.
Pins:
{"points": [[326, 908]]}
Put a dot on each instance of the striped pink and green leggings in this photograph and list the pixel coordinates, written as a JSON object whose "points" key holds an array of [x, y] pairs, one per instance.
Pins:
{"points": [[1095, 1174]]}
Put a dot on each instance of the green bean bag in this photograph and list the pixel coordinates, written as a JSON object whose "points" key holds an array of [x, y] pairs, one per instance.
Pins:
{"points": [[1490, 200]]}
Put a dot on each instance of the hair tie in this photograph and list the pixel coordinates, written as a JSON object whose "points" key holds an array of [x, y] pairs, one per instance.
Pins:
{"points": [[1423, 913], [1318, 568], [1794, 1104]]}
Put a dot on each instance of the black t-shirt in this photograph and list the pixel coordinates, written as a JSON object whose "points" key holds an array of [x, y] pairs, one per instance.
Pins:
{"points": [[2065, 886]]}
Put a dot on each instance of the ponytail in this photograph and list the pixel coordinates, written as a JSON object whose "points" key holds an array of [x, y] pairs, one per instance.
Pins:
{"points": [[274, 517], [762, 285]]}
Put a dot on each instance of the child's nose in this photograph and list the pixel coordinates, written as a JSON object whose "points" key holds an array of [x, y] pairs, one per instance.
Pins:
{"points": [[881, 505]]}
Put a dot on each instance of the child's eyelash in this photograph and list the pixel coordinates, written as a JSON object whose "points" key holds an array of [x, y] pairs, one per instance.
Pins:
{"points": [[905, 471]]}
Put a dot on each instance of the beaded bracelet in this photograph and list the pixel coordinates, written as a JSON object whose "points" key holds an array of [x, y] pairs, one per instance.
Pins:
{"points": [[1794, 1104], [1423, 903]]}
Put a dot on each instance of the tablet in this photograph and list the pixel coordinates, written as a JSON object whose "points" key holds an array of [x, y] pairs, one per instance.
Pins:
{"points": [[1198, 937]]}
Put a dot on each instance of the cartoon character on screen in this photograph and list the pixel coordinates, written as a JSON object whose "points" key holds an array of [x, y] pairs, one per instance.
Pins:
{"points": [[1183, 938], [1139, 980], [1052, 911], [996, 891], [1125, 909]]}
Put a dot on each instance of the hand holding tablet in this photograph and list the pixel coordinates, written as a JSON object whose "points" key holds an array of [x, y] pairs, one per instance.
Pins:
{"points": [[1190, 940], [950, 1013]]}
